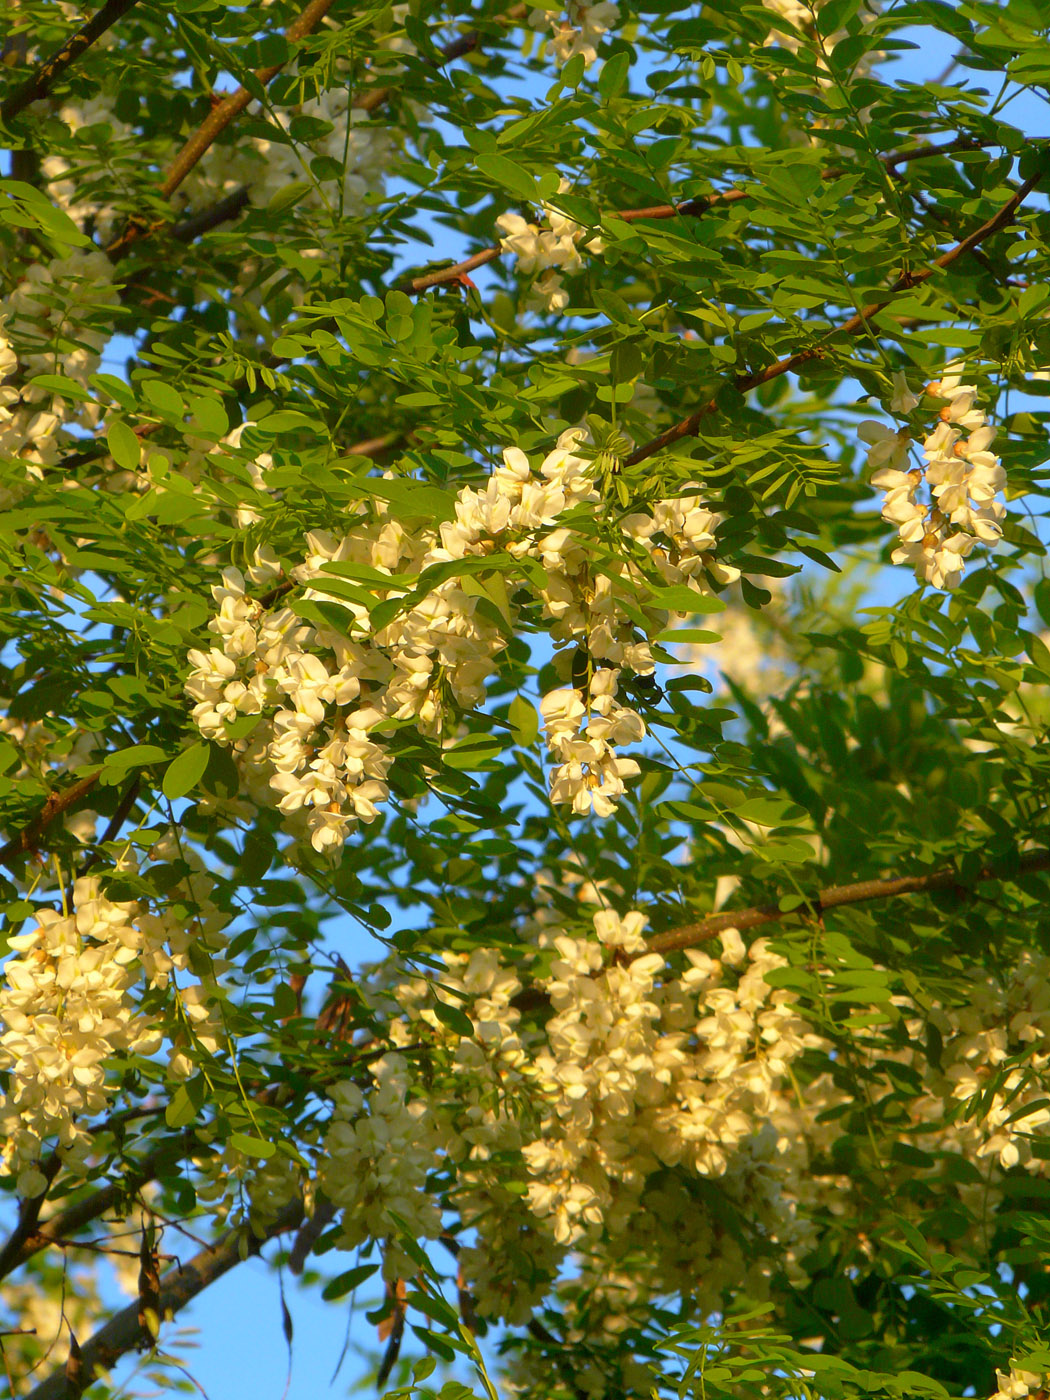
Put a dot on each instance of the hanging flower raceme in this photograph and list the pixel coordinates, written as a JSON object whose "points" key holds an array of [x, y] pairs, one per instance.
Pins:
{"points": [[548, 251], [945, 506], [578, 29], [650, 1091], [70, 1007], [307, 696]]}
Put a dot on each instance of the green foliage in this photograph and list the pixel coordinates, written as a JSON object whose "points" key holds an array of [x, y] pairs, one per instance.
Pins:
{"points": [[766, 213]]}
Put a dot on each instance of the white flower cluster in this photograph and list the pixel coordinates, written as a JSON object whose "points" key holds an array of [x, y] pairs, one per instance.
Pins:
{"points": [[324, 697], [581, 736], [1019, 1384], [590, 1135], [962, 474], [70, 1008], [579, 30], [646, 1071], [379, 1153], [543, 249], [68, 1011], [54, 321], [361, 148], [1000, 1035]]}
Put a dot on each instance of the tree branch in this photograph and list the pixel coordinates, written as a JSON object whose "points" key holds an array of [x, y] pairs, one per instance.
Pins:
{"points": [[689, 935], [216, 121], [688, 427], [689, 208], [232, 205], [28, 1238], [116, 821], [213, 216], [56, 804], [39, 82], [181, 1284]]}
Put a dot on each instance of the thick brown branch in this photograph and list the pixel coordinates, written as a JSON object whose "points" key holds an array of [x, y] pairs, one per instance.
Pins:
{"points": [[39, 82], [56, 804], [688, 427], [216, 122], [179, 1286], [689, 935], [224, 113]]}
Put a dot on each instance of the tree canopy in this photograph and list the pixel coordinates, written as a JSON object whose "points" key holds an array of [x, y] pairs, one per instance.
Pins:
{"points": [[524, 781]]}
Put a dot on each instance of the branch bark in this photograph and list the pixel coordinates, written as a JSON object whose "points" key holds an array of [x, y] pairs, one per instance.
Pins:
{"points": [[39, 82], [688, 427], [216, 121], [56, 804], [232, 205], [29, 1237], [181, 1284], [689, 208], [835, 896]]}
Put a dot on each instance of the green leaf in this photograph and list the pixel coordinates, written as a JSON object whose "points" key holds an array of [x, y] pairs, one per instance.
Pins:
{"points": [[345, 1283], [185, 772], [288, 195], [680, 598], [185, 1104], [508, 174], [524, 721], [252, 1146], [455, 1019], [124, 445], [475, 752], [137, 756], [613, 77]]}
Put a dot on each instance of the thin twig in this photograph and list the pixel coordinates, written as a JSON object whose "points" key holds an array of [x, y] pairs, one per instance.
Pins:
{"points": [[835, 896], [689, 426], [689, 208], [39, 82]]}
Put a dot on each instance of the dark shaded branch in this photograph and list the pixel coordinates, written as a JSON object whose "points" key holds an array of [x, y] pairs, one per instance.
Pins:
{"points": [[835, 896], [39, 82], [213, 216], [56, 804], [29, 1237], [25, 1227], [689, 426], [179, 1286], [115, 822]]}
